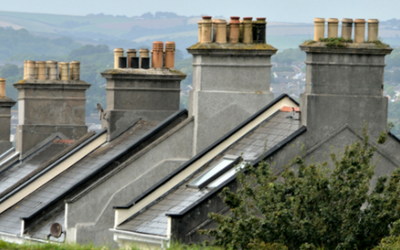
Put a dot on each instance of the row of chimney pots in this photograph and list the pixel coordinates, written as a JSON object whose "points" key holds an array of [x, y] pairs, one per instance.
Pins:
{"points": [[42, 70], [159, 57], [347, 29], [236, 31]]}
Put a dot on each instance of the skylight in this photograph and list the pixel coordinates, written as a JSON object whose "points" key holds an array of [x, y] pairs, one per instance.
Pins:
{"points": [[216, 171], [231, 172]]}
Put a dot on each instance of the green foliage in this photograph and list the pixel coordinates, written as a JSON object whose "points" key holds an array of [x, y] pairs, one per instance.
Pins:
{"points": [[311, 206], [289, 55], [337, 42]]}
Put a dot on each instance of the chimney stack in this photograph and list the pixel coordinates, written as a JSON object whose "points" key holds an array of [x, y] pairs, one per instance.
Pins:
{"points": [[5, 118], [231, 78], [151, 94], [48, 106], [349, 92]]}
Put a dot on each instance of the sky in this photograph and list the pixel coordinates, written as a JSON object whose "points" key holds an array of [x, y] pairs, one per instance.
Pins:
{"points": [[275, 10]]}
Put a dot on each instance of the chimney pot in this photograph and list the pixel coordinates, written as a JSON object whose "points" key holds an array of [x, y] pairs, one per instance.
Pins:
{"points": [[234, 33], [144, 58], [259, 30], [75, 70], [2, 87], [319, 28], [157, 59], [359, 30], [333, 25], [25, 69], [118, 52], [41, 70], [51, 70], [247, 30], [206, 30], [347, 27], [169, 54], [30, 70], [220, 27], [64, 71], [200, 24], [373, 28], [130, 53]]}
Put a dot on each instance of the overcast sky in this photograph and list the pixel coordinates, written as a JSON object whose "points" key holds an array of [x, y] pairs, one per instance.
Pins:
{"points": [[274, 10]]}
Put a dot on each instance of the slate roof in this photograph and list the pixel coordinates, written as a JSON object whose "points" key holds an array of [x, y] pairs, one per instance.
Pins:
{"points": [[18, 171], [153, 219], [71, 178]]}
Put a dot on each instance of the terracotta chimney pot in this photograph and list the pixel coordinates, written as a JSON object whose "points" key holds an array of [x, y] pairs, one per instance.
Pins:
{"points": [[206, 30], [2, 87], [25, 68], [247, 30], [118, 52], [64, 71], [319, 28], [130, 53], [359, 30], [41, 70], [333, 27], [373, 28], [169, 55], [75, 70], [157, 59], [51, 70], [220, 27], [30, 70], [347, 28], [234, 33]]}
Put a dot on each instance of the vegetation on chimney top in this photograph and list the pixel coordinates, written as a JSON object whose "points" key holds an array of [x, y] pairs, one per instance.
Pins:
{"points": [[337, 42]]}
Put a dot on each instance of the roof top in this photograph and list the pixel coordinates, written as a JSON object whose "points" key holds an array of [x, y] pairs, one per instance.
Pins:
{"points": [[266, 135]]}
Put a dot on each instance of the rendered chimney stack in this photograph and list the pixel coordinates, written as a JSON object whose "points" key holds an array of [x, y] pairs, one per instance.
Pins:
{"points": [[157, 59], [373, 27], [234, 33], [2, 87], [41, 70], [130, 53], [347, 28], [220, 28], [75, 67], [206, 29], [30, 70], [51, 70], [333, 27], [247, 30], [170, 55], [359, 30], [319, 28], [63, 69], [5, 118], [118, 52]]}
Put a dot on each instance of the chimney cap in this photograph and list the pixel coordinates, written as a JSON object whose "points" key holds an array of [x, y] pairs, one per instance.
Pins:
{"points": [[333, 20], [51, 61], [63, 63], [206, 17], [235, 17], [359, 21], [2, 79], [40, 62], [347, 20], [219, 21], [118, 50], [373, 21], [235, 20], [319, 20], [131, 51], [261, 18], [75, 62], [143, 50], [247, 18]]}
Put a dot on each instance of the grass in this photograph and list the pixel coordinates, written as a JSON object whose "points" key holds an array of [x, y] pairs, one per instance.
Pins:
{"points": [[337, 42]]}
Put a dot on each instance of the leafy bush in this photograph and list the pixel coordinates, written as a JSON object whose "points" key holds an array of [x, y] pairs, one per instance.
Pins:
{"points": [[317, 207]]}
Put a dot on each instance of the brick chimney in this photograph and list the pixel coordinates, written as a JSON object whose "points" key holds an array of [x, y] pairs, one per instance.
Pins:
{"points": [[231, 78], [344, 83], [149, 93], [5, 117], [48, 105]]}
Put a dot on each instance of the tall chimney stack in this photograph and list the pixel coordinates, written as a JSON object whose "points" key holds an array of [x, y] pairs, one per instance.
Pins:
{"points": [[5, 117], [349, 92], [231, 79], [48, 106]]}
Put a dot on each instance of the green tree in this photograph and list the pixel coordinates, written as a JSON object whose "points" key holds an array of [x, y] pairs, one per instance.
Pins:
{"points": [[313, 206]]}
